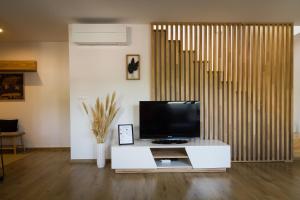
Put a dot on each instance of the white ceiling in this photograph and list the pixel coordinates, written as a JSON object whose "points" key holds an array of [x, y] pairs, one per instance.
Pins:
{"points": [[46, 20]]}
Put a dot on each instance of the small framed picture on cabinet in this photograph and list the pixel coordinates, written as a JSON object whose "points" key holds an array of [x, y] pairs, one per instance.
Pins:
{"points": [[125, 132]]}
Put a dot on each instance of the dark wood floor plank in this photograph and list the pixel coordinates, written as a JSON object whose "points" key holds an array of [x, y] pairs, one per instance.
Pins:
{"points": [[50, 175]]}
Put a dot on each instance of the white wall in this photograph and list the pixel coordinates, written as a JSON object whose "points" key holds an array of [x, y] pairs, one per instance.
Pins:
{"points": [[99, 70], [44, 114], [297, 84]]}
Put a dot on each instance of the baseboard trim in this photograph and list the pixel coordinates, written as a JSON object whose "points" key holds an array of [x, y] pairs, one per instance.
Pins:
{"points": [[261, 161], [74, 161], [48, 149], [178, 170]]}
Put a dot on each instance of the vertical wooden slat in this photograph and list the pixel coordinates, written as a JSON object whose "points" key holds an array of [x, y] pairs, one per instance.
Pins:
{"points": [[289, 93], [278, 122], [275, 83], [277, 91], [214, 85], [220, 74], [196, 64], [153, 62], [239, 90], [234, 92], [173, 64], [258, 88], [229, 86], [264, 92], [177, 66], [251, 94], [205, 86], [245, 82], [255, 52], [217, 81], [286, 100], [286, 94], [201, 82], [242, 117], [191, 62], [273, 89], [221, 82], [182, 66], [158, 84], [224, 82], [167, 60], [210, 83], [267, 78], [283, 97], [162, 64], [269, 92], [248, 94], [187, 68]]}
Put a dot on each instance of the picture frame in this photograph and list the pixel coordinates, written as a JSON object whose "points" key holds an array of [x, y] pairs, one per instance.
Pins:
{"points": [[11, 86], [125, 134], [133, 67]]}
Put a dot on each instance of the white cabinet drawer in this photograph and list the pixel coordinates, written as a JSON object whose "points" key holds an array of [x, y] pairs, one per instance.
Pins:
{"points": [[209, 156], [132, 158]]}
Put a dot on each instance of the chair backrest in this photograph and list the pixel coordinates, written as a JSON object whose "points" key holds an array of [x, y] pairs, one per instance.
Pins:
{"points": [[8, 125]]}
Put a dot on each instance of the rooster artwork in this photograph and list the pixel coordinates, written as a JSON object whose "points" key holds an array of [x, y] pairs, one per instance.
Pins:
{"points": [[133, 67]]}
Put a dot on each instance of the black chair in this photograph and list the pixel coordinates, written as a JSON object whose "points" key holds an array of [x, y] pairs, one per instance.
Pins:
{"points": [[9, 128]]}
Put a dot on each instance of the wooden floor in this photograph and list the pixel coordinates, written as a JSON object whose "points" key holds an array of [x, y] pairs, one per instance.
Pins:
{"points": [[50, 175]]}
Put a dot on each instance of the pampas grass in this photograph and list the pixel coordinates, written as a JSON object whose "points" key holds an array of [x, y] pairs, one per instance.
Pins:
{"points": [[102, 114]]}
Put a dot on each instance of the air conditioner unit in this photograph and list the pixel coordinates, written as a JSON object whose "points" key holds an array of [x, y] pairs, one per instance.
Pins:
{"points": [[98, 34]]}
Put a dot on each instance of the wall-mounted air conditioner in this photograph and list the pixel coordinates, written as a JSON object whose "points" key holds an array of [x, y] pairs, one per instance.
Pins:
{"points": [[98, 34]]}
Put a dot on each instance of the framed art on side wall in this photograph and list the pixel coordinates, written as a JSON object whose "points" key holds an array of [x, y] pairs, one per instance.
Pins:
{"points": [[12, 86], [133, 67]]}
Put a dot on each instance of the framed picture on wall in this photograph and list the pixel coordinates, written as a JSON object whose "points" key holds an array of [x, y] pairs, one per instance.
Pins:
{"points": [[133, 67], [125, 132], [12, 86]]}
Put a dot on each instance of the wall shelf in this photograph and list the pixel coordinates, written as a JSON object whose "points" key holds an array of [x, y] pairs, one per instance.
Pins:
{"points": [[169, 153], [18, 66], [179, 163]]}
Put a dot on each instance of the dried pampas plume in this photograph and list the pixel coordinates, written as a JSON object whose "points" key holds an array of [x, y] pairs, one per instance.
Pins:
{"points": [[102, 115]]}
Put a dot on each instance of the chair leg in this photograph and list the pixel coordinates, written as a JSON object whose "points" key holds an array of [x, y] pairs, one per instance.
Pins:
{"points": [[22, 143], [1, 157], [15, 145]]}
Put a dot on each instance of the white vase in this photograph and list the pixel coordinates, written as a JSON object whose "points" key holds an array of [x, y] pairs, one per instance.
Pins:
{"points": [[101, 155]]}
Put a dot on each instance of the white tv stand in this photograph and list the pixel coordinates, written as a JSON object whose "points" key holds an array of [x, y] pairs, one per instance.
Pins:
{"points": [[195, 156]]}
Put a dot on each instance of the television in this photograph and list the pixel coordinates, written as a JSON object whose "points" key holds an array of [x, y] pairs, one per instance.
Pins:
{"points": [[169, 119]]}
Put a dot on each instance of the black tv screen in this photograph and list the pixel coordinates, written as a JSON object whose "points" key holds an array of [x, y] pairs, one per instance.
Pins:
{"points": [[169, 119]]}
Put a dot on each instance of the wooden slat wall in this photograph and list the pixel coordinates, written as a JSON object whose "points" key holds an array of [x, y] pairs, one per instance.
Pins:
{"points": [[242, 76]]}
